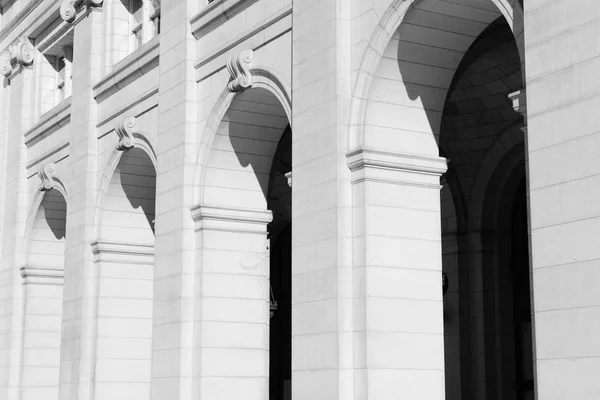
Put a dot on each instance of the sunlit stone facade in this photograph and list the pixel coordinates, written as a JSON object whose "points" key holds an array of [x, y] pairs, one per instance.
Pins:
{"points": [[299, 199]]}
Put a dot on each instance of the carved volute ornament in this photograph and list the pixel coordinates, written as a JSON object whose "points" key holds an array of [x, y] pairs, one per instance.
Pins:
{"points": [[239, 67], [20, 53], [46, 174], [124, 129], [68, 8]]}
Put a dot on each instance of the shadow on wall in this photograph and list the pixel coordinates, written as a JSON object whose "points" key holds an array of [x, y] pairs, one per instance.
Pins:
{"points": [[55, 213], [138, 181], [427, 81]]}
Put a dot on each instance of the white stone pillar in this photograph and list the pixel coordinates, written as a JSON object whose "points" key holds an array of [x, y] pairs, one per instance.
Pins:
{"points": [[174, 297], [398, 309], [231, 329], [20, 78], [77, 373], [43, 294], [125, 274]]}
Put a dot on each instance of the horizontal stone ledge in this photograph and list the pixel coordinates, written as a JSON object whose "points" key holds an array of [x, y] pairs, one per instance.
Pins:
{"points": [[208, 217], [42, 275], [366, 157], [101, 248]]}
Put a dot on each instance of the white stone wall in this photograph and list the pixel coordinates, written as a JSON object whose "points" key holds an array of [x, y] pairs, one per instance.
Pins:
{"points": [[562, 99], [165, 172]]}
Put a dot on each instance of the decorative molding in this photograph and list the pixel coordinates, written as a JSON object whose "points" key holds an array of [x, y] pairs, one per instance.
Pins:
{"points": [[18, 54], [131, 253], [289, 178], [217, 13], [68, 8], [239, 67], [46, 174], [42, 275], [24, 13], [129, 69], [122, 248], [219, 218], [50, 122], [365, 157], [124, 129], [269, 35]]}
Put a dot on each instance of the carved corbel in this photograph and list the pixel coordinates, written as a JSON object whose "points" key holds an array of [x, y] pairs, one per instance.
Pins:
{"points": [[46, 174], [155, 4], [68, 8], [519, 100], [239, 67], [124, 129]]}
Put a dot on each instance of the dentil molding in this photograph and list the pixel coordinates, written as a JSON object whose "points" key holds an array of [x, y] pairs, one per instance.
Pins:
{"points": [[68, 8], [124, 129], [239, 66], [18, 54]]}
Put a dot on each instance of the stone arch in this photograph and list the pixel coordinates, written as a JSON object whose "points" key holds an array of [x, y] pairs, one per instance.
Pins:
{"points": [[381, 46], [141, 141], [42, 272], [263, 79]]}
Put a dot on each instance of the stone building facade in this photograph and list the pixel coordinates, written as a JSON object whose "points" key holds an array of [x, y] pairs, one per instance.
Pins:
{"points": [[299, 199]]}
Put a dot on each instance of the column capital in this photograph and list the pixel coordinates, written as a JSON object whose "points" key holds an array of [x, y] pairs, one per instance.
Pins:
{"points": [[248, 220], [120, 251], [17, 55]]}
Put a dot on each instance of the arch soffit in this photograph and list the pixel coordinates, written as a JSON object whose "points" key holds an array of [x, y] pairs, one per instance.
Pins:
{"points": [[141, 141], [385, 29], [262, 77]]}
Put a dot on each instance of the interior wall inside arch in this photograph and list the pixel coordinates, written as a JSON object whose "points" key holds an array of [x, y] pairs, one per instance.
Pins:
{"points": [[409, 87], [129, 206], [43, 293], [238, 167]]}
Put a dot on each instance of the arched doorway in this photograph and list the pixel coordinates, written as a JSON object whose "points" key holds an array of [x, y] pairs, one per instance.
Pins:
{"points": [[244, 250]]}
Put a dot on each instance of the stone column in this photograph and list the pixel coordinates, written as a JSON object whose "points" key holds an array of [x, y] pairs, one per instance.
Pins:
{"points": [[19, 75], [77, 372], [398, 309], [231, 355], [322, 338], [124, 273], [174, 297]]}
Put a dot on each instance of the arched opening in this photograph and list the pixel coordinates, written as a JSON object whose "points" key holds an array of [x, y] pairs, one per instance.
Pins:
{"points": [[124, 261], [43, 293], [441, 90], [478, 129], [245, 192]]}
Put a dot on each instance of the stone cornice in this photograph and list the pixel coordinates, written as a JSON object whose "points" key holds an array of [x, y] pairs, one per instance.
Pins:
{"points": [[129, 69], [42, 275], [215, 14], [16, 21], [55, 119], [247, 220], [262, 26]]}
